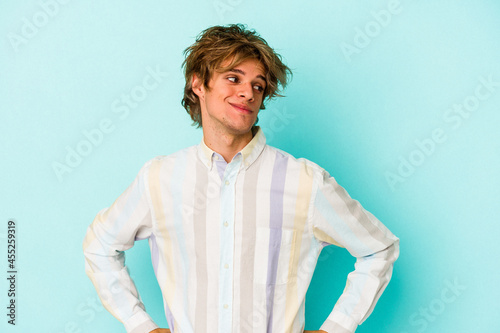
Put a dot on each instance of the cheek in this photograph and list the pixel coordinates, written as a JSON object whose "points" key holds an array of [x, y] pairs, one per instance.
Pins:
{"points": [[228, 91], [258, 100]]}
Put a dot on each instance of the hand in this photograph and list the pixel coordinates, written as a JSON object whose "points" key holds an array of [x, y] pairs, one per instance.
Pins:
{"points": [[160, 330]]}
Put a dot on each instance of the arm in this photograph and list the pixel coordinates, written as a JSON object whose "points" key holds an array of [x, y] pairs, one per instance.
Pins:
{"points": [[111, 233], [340, 220]]}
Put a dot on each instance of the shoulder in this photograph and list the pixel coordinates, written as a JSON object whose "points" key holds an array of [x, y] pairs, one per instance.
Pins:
{"points": [[310, 167], [186, 153]]}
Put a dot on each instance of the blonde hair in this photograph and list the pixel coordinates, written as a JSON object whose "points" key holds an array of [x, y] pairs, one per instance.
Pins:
{"points": [[234, 42]]}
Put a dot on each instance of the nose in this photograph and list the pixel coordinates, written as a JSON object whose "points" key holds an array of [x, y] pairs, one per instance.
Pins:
{"points": [[246, 91]]}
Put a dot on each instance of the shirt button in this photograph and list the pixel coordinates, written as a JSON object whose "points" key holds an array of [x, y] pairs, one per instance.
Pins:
{"points": [[226, 224], [226, 266], [227, 182], [216, 157], [226, 306]]}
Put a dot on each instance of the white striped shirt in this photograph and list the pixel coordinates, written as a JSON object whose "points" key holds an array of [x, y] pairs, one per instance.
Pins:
{"points": [[234, 245]]}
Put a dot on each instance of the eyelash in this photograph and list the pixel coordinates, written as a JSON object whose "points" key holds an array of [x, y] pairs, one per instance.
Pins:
{"points": [[260, 88]]}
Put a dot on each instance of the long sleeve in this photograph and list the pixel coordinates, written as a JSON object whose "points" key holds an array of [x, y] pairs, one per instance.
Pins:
{"points": [[338, 219], [113, 231]]}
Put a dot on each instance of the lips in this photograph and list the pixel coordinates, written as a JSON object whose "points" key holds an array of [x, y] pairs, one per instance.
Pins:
{"points": [[241, 107]]}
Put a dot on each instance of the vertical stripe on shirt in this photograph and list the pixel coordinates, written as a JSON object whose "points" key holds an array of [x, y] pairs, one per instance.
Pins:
{"points": [[275, 224], [200, 243], [211, 197], [248, 232], [177, 200], [156, 200], [301, 209]]}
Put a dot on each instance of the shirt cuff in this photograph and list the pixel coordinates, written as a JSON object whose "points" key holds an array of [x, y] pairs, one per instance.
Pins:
{"points": [[141, 322], [339, 323]]}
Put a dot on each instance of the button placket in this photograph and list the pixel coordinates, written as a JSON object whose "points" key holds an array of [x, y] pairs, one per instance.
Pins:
{"points": [[227, 244]]}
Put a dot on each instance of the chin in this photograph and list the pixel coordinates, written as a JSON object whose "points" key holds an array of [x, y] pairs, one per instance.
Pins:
{"points": [[241, 129]]}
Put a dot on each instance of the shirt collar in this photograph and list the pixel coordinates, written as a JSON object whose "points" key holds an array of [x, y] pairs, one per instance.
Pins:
{"points": [[250, 152]]}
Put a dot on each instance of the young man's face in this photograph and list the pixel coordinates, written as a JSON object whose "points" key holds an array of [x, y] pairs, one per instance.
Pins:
{"points": [[232, 102]]}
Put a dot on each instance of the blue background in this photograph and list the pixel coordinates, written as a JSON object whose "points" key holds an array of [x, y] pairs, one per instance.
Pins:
{"points": [[372, 82]]}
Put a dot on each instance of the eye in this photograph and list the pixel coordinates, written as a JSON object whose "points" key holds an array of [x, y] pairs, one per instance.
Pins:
{"points": [[258, 88], [233, 79]]}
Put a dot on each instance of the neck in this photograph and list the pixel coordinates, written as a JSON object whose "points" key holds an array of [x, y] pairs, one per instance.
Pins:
{"points": [[226, 144]]}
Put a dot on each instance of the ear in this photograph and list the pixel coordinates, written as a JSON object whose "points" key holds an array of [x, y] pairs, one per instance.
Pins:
{"points": [[198, 87]]}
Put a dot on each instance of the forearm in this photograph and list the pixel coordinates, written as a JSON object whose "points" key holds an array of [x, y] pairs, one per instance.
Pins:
{"points": [[364, 287], [116, 289]]}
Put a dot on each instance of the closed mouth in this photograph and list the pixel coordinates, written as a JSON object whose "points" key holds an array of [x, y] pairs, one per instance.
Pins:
{"points": [[241, 107]]}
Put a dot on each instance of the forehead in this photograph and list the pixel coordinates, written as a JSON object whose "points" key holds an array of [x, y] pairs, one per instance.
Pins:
{"points": [[244, 66]]}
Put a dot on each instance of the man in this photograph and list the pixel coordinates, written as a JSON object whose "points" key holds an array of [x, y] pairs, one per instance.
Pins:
{"points": [[235, 226]]}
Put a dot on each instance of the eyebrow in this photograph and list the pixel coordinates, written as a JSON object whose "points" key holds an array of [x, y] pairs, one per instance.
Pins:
{"points": [[239, 71]]}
